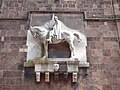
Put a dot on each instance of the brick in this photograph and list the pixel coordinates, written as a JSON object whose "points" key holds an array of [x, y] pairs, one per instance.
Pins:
{"points": [[106, 52], [5, 87], [97, 74], [104, 81], [5, 50], [13, 46], [105, 67], [18, 38], [118, 81], [22, 33], [7, 38], [1, 73], [0, 33], [17, 87], [71, 1], [19, 81], [65, 5], [111, 45], [107, 9], [93, 38], [115, 59], [91, 45], [1, 81], [3, 33], [71, 5], [63, 2], [93, 67], [116, 7], [13, 26], [99, 45], [9, 81], [59, 5], [118, 26], [115, 87], [22, 50], [94, 6], [106, 87], [1, 45], [94, 60], [97, 52], [104, 60], [12, 73], [107, 39], [114, 53], [11, 33]]}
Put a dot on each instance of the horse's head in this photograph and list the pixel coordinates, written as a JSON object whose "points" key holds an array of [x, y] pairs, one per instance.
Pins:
{"points": [[37, 31]]}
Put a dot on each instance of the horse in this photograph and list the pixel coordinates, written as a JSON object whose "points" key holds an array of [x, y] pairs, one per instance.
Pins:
{"points": [[41, 34]]}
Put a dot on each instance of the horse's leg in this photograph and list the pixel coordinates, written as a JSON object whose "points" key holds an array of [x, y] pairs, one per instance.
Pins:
{"points": [[72, 50], [45, 44], [46, 49], [70, 42]]}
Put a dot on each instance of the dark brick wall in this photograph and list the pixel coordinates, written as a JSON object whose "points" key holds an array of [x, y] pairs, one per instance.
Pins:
{"points": [[103, 55], [19, 8], [102, 50]]}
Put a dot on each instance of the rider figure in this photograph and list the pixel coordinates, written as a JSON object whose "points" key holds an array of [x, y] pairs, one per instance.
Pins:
{"points": [[56, 29]]}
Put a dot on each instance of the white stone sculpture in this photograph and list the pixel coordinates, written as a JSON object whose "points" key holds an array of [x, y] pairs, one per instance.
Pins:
{"points": [[41, 33], [54, 31]]}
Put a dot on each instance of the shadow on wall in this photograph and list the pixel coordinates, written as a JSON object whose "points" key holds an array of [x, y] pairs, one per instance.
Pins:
{"points": [[60, 50]]}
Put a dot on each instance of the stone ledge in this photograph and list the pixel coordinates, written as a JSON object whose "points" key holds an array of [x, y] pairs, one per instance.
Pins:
{"points": [[49, 61], [84, 64]]}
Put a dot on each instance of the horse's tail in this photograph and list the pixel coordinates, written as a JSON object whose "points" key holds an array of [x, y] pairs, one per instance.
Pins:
{"points": [[78, 36]]}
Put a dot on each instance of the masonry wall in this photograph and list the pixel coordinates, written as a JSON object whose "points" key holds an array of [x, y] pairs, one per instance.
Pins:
{"points": [[102, 28]]}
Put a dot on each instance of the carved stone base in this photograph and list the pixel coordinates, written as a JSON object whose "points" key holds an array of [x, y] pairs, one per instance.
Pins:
{"points": [[47, 65], [56, 65]]}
